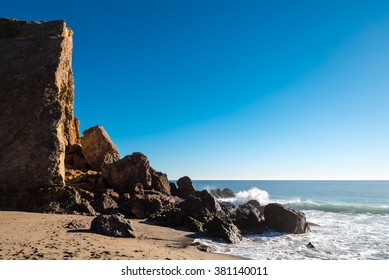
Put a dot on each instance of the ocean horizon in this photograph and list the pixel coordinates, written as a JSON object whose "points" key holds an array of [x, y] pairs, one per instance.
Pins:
{"points": [[352, 218]]}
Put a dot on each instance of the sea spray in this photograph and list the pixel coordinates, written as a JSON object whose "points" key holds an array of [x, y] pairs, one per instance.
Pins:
{"points": [[252, 194]]}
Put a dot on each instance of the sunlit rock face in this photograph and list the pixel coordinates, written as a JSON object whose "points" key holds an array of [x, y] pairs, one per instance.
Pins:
{"points": [[36, 103]]}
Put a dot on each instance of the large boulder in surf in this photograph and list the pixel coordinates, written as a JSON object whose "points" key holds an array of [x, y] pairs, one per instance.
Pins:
{"points": [[281, 218], [202, 206], [98, 148], [249, 219], [221, 228]]}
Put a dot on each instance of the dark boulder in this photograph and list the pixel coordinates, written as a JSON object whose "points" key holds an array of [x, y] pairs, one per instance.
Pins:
{"points": [[124, 175], [224, 229], [201, 206], [193, 224], [173, 189], [159, 181], [133, 174], [281, 218], [173, 217], [104, 204], [147, 205], [115, 225], [228, 209], [185, 187], [256, 204], [249, 220], [56, 200]]}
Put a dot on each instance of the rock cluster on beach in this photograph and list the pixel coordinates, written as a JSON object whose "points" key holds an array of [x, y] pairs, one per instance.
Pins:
{"points": [[46, 166]]}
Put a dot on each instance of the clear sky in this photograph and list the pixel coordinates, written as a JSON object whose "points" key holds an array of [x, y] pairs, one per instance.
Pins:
{"points": [[234, 89]]}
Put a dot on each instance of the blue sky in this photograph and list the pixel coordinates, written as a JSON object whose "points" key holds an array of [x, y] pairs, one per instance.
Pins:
{"points": [[234, 89]]}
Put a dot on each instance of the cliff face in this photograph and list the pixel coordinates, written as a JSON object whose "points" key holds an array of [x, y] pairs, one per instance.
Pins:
{"points": [[36, 103]]}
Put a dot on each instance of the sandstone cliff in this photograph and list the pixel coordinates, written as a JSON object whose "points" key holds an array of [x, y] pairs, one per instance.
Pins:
{"points": [[36, 103]]}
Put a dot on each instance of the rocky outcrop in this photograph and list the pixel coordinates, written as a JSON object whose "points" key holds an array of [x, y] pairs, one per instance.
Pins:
{"points": [[46, 167], [98, 148], [201, 206], [249, 219], [75, 159], [147, 205], [159, 181], [115, 225], [133, 174], [224, 229], [124, 175], [56, 200], [104, 204], [36, 103], [281, 218], [185, 187]]}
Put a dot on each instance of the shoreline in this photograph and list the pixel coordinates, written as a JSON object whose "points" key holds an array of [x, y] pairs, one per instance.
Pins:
{"points": [[40, 236]]}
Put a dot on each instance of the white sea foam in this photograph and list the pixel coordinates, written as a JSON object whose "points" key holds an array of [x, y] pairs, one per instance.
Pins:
{"points": [[339, 236], [353, 219]]}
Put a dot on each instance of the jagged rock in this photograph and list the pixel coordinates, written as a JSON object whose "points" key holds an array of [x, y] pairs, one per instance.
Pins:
{"points": [[249, 219], [225, 193], [115, 225], [256, 204], [104, 204], [74, 224], [201, 206], [86, 183], [36, 103], [111, 193], [58, 200], [226, 230], [173, 217], [185, 187], [194, 224], [228, 209], [147, 205], [124, 175], [75, 159], [159, 181], [64, 200], [284, 219], [310, 245], [98, 148], [173, 189]]}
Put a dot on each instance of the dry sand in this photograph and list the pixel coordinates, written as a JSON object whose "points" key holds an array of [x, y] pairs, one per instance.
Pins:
{"points": [[26, 236]]}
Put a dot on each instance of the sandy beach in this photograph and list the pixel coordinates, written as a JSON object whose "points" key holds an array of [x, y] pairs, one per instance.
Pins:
{"points": [[37, 236]]}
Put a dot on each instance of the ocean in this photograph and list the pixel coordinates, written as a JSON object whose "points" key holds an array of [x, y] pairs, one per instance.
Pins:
{"points": [[353, 219]]}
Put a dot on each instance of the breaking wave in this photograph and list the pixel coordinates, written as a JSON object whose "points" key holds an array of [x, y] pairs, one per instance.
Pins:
{"points": [[340, 208], [264, 198]]}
